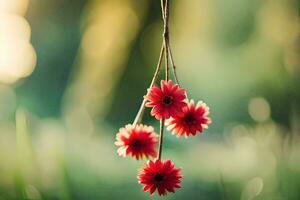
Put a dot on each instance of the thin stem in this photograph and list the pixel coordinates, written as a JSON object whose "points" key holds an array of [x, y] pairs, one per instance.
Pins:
{"points": [[140, 113], [166, 37], [162, 4], [165, 14], [173, 63], [161, 138], [167, 63], [166, 9]]}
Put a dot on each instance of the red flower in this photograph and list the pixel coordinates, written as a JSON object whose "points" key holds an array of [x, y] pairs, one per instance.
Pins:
{"points": [[160, 175], [193, 120], [166, 101], [137, 141]]}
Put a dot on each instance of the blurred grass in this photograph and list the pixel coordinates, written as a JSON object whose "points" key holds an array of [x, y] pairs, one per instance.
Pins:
{"points": [[24, 154]]}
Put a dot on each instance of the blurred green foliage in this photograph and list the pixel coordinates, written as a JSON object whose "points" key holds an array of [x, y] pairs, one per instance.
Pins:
{"points": [[95, 60]]}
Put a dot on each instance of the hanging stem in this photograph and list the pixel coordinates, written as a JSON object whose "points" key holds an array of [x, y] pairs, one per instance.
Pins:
{"points": [[165, 14], [140, 113], [166, 36], [161, 138], [173, 63], [162, 4]]}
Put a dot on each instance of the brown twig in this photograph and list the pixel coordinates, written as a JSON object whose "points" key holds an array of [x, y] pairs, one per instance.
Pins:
{"points": [[165, 15], [161, 138], [166, 36], [162, 4], [173, 63], [140, 113]]}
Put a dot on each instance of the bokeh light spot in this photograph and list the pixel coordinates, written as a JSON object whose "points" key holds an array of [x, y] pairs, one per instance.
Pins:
{"points": [[259, 109]]}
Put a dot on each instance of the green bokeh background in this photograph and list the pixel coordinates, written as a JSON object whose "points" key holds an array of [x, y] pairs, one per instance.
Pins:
{"points": [[95, 60]]}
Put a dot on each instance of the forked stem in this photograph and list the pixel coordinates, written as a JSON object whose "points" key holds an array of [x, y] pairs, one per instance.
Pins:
{"points": [[165, 53], [140, 113]]}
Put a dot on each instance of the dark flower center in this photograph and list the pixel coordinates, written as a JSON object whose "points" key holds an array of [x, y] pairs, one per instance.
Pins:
{"points": [[167, 100], [189, 119], [158, 177], [136, 144]]}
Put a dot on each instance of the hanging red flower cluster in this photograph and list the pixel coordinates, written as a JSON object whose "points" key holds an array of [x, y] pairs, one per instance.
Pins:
{"points": [[171, 106]]}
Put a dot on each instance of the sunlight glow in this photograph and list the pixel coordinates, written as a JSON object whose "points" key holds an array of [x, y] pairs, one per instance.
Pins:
{"points": [[17, 56], [13, 6], [103, 52], [17, 60], [259, 109]]}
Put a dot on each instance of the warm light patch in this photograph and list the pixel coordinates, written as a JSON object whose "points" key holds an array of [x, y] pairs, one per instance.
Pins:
{"points": [[13, 6], [17, 60], [14, 26], [17, 56], [259, 109]]}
